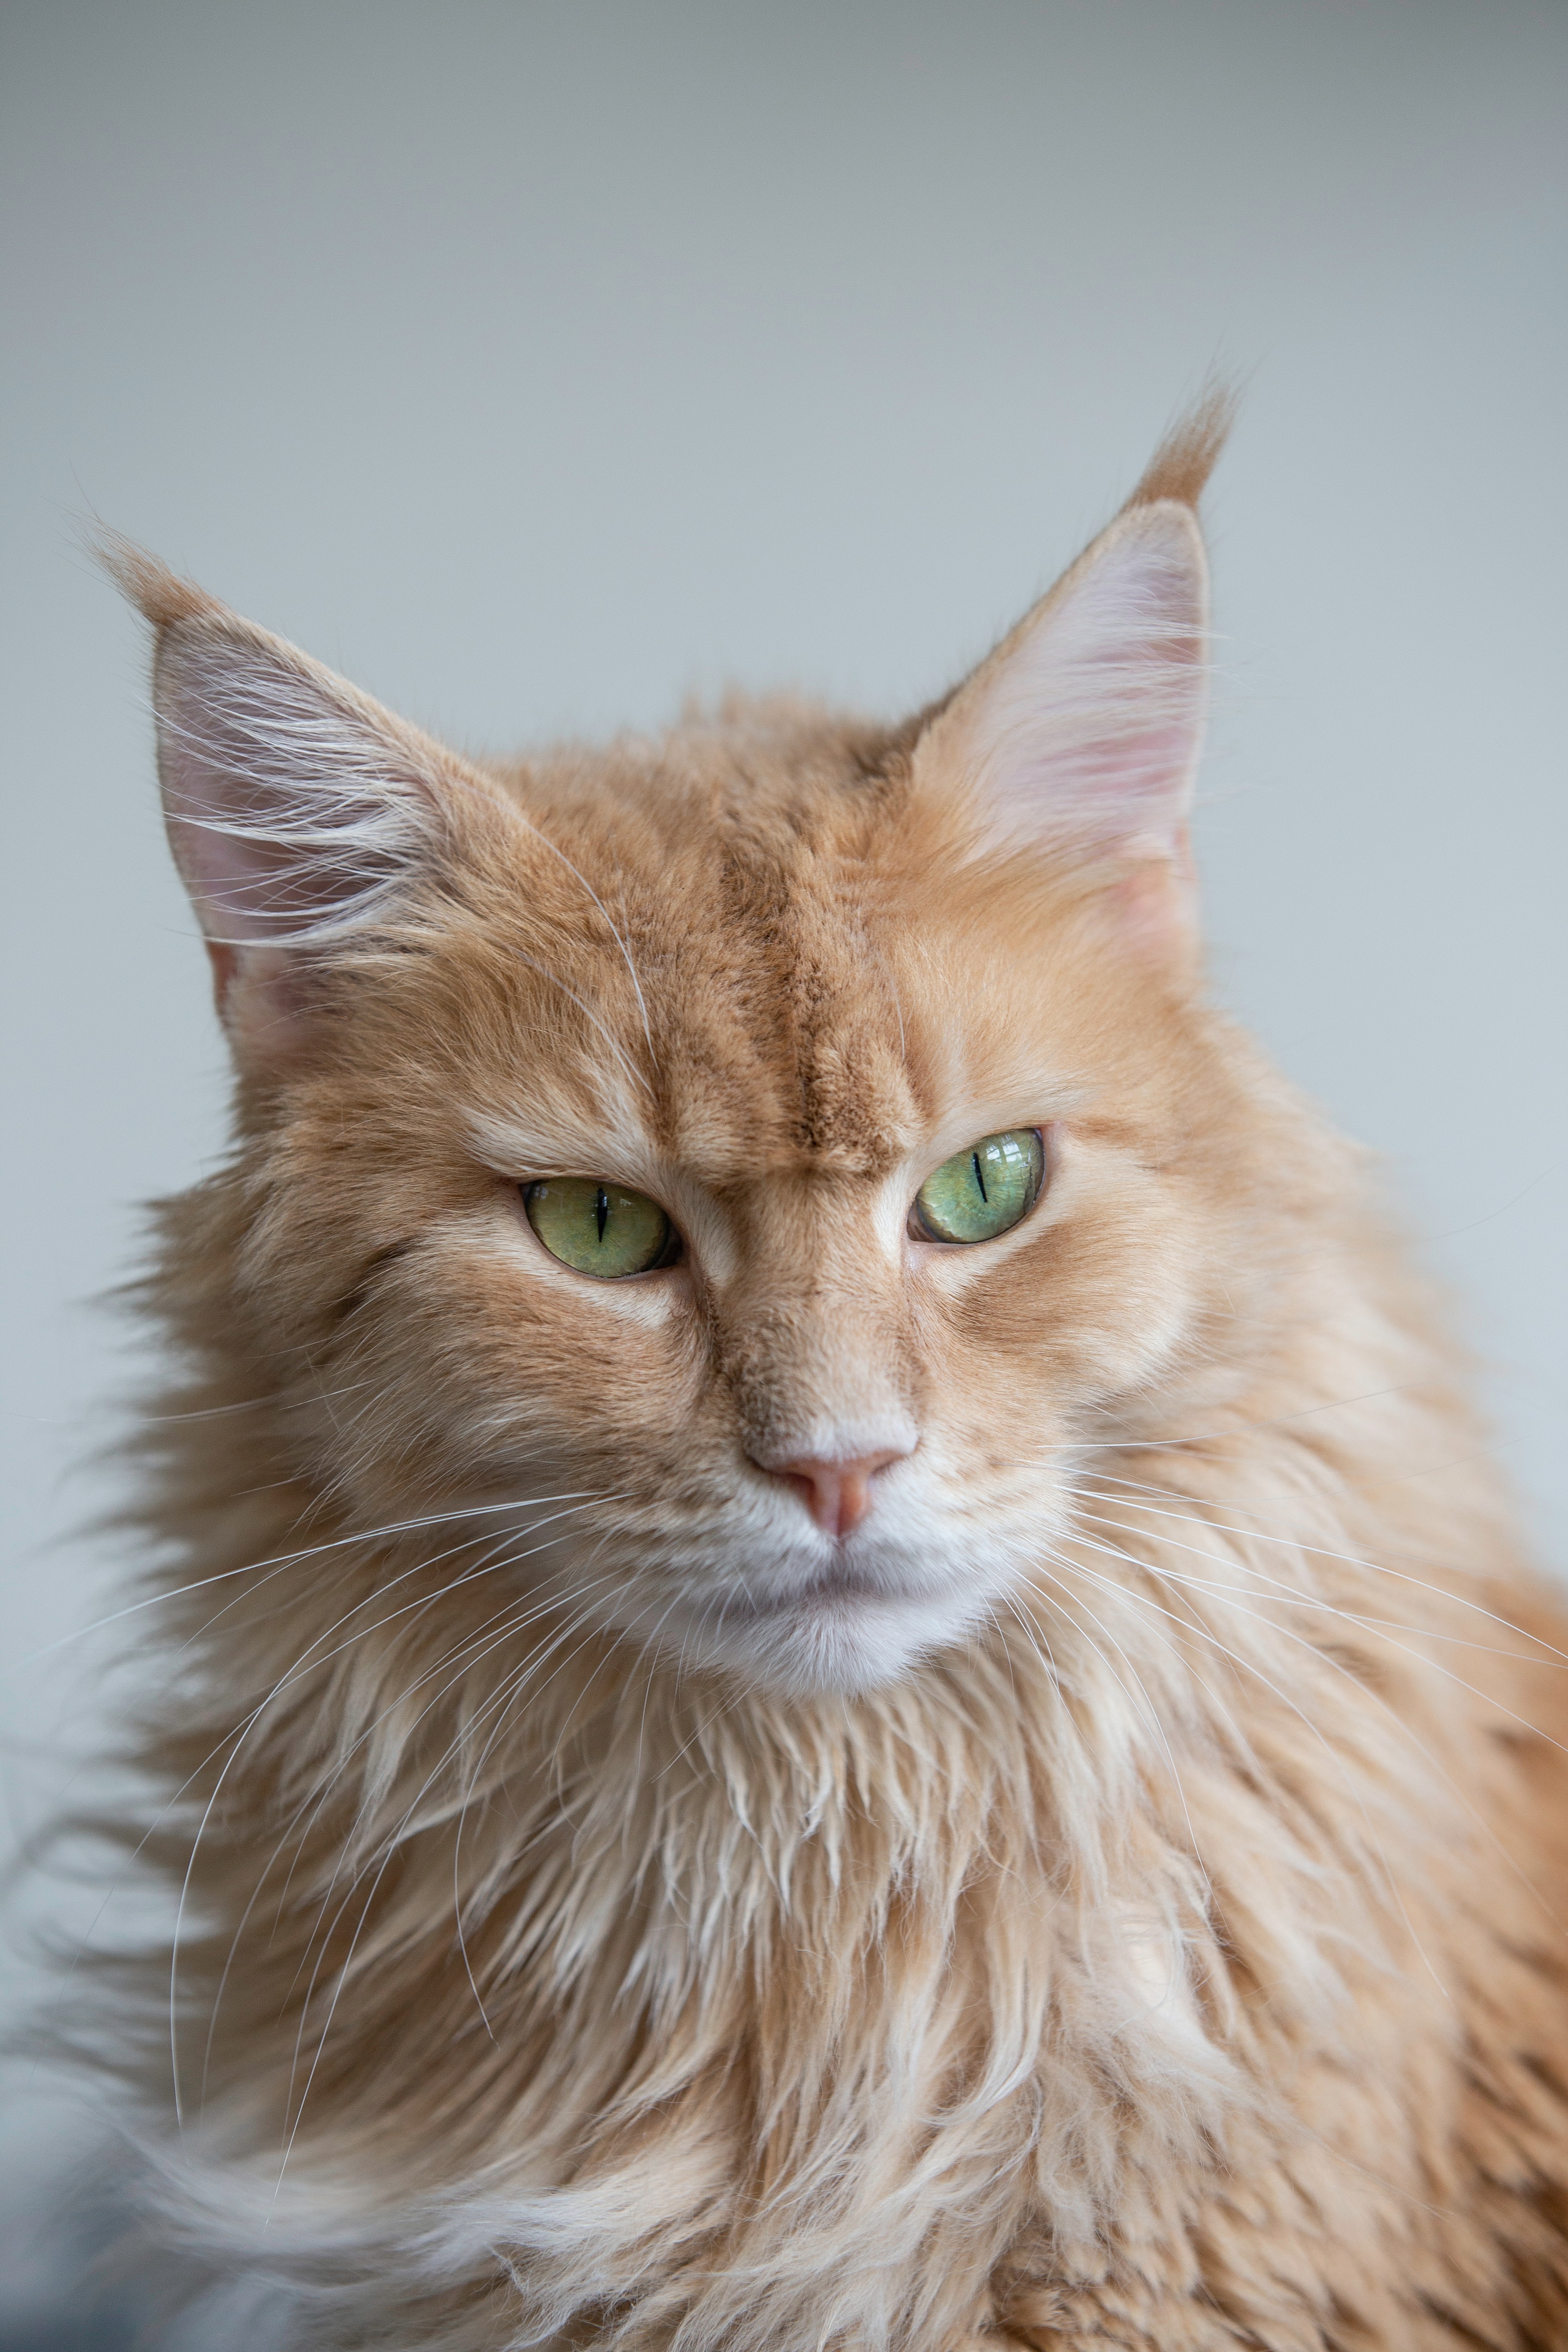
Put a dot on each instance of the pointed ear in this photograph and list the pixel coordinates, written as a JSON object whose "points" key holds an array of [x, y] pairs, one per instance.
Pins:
{"points": [[297, 807], [1081, 734]]}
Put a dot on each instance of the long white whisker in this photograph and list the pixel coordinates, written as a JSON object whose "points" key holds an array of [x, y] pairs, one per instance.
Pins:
{"points": [[1291, 1597], [279, 1562], [1248, 1665], [1365, 1693], [1241, 1428], [304, 1663], [1313, 1550], [472, 1651], [588, 1013], [615, 934], [346, 1964], [313, 1802], [1151, 1712]]}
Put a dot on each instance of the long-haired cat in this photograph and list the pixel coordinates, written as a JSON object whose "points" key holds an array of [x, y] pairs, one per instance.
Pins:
{"points": [[844, 1672]]}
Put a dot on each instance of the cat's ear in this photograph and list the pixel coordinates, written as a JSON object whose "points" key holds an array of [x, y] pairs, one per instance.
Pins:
{"points": [[297, 807], [1081, 734]]}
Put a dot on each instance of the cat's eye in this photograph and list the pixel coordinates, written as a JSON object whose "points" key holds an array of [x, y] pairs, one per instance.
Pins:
{"points": [[983, 1190], [598, 1228]]}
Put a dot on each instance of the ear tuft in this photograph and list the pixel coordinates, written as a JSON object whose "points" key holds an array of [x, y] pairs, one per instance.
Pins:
{"points": [[159, 595], [1181, 465]]}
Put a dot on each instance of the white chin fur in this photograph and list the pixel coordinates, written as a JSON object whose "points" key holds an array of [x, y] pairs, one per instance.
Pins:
{"points": [[768, 1601], [837, 1642]]}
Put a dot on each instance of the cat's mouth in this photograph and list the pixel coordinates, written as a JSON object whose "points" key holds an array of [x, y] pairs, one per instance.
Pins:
{"points": [[844, 1624], [839, 1585]]}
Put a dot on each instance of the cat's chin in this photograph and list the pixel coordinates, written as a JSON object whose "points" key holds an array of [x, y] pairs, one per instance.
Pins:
{"points": [[782, 1610], [841, 1636]]}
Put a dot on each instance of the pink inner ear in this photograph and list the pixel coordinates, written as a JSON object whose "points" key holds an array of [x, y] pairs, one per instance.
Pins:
{"points": [[1088, 728], [289, 812]]}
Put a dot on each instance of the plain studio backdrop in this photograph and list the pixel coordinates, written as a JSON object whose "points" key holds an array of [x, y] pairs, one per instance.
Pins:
{"points": [[539, 365]]}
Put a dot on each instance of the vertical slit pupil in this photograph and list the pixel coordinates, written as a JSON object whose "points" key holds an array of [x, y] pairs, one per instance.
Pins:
{"points": [[601, 1210], [980, 1178]]}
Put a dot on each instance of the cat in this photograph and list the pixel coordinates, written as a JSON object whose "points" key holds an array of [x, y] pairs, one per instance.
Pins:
{"points": [[844, 1672]]}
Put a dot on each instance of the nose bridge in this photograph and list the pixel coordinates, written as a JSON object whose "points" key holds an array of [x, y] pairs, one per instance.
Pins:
{"points": [[814, 1346]]}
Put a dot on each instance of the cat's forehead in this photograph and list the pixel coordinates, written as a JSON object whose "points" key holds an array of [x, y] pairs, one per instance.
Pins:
{"points": [[782, 1026], [761, 953], [744, 870]]}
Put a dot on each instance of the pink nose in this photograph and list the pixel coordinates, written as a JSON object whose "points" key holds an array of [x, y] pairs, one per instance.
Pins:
{"points": [[837, 1493]]}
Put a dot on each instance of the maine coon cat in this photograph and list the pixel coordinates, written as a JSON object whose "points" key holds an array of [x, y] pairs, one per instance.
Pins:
{"points": [[844, 1671]]}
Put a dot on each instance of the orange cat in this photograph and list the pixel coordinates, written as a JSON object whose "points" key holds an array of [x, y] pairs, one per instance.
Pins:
{"points": [[847, 1675]]}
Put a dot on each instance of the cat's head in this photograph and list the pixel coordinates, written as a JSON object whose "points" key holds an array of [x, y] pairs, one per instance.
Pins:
{"points": [[785, 1145]]}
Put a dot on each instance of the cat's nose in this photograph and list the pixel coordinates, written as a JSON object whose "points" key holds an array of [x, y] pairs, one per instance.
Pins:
{"points": [[836, 1491]]}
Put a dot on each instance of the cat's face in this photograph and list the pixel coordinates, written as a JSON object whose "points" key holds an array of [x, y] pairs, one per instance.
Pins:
{"points": [[827, 1029], [590, 1108]]}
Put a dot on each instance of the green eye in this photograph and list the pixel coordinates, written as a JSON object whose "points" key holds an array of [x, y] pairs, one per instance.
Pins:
{"points": [[597, 1228], [983, 1190]]}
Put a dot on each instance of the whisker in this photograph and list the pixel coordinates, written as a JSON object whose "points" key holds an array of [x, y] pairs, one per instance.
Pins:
{"points": [[588, 1013], [615, 934], [473, 1651], [1364, 1693], [465, 1650], [279, 1561], [1152, 1713], [304, 1663], [1316, 1551], [1249, 1667], [1332, 1609], [1241, 1428], [462, 1817], [345, 1966]]}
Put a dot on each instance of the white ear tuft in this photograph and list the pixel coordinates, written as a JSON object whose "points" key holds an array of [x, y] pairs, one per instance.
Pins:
{"points": [[295, 807], [1083, 729]]}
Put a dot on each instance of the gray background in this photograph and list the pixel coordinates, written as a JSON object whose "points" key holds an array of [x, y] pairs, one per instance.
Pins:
{"points": [[535, 365]]}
